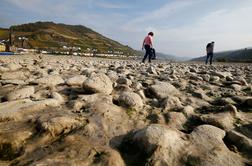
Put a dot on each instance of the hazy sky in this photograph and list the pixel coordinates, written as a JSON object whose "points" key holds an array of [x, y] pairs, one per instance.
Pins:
{"points": [[181, 27]]}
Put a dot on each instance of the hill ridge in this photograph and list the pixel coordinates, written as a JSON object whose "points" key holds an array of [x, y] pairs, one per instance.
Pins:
{"points": [[50, 35]]}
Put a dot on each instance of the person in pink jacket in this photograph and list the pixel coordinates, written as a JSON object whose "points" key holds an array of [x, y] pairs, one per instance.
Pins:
{"points": [[148, 45]]}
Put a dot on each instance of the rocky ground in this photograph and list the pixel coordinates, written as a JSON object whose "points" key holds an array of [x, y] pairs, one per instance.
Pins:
{"points": [[59, 110]]}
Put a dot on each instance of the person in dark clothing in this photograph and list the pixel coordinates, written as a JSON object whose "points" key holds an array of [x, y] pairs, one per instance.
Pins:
{"points": [[210, 50], [147, 45]]}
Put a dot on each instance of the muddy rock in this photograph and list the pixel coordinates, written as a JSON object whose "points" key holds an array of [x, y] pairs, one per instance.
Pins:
{"points": [[17, 75], [51, 80], [99, 83], [209, 148], [152, 70], [241, 138], [222, 120], [221, 74], [76, 80], [73, 150], [18, 109], [188, 111], [176, 120], [130, 100], [22, 93], [172, 103], [12, 140], [106, 121], [156, 135], [123, 80], [13, 66], [162, 90], [60, 124]]}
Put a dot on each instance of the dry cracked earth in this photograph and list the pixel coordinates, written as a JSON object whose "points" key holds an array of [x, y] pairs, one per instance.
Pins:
{"points": [[59, 110]]}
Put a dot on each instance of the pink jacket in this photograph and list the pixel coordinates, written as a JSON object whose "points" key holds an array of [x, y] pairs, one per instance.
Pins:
{"points": [[148, 40]]}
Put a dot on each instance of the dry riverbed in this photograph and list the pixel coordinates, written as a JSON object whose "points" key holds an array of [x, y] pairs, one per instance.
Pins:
{"points": [[68, 110]]}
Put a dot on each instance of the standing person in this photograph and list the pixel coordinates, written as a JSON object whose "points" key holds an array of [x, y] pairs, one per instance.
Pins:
{"points": [[147, 45], [210, 50]]}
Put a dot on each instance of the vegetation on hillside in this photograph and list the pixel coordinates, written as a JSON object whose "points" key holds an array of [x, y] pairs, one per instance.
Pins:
{"points": [[49, 35], [4, 33]]}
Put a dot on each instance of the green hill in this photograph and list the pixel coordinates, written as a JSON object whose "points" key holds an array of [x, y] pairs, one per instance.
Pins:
{"points": [[52, 36], [241, 55], [4, 33]]}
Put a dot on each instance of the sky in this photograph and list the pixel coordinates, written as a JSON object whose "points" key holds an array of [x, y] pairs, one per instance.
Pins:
{"points": [[181, 27]]}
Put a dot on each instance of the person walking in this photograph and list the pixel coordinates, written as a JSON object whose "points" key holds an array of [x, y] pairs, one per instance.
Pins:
{"points": [[148, 45], [210, 50]]}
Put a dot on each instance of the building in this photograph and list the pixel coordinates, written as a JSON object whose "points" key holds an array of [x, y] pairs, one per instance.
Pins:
{"points": [[2, 47]]}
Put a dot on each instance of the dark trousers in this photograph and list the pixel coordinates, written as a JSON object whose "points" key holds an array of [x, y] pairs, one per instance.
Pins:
{"points": [[147, 53], [209, 55]]}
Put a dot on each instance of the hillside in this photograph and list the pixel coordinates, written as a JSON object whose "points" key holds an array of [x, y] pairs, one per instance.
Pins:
{"points": [[49, 35], [4, 33], [241, 55]]}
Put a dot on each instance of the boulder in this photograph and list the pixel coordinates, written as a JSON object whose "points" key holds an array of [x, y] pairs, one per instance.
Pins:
{"points": [[152, 70], [16, 75], [156, 135], [193, 70], [176, 120], [207, 148], [19, 109], [123, 80], [21, 93], [242, 81], [13, 137], [10, 110], [50, 80], [3, 69], [221, 74], [240, 140], [223, 120], [201, 94], [229, 78], [188, 111], [214, 78], [194, 76], [161, 143], [167, 146], [76, 80], [236, 87], [172, 102], [106, 121], [130, 100], [206, 77], [72, 150], [14, 82], [59, 124], [99, 83], [162, 90], [13, 66], [112, 75]]}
